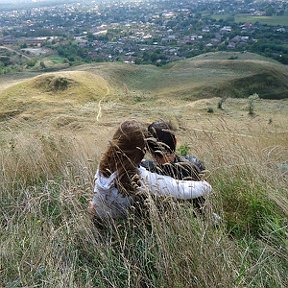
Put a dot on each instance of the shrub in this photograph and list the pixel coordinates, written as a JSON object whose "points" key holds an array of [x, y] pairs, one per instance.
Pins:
{"points": [[183, 150], [210, 110], [31, 63], [251, 100], [220, 103], [59, 83], [42, 65]]}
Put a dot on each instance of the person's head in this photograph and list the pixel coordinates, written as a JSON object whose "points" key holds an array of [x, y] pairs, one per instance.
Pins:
{"points": [[162, 144], [124, 153], [127, 147]]}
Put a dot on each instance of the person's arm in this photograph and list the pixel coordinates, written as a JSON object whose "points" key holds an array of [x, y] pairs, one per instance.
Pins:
{"points": [[167, 186]]}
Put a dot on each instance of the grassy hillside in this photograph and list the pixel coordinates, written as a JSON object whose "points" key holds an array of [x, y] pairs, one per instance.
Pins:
{"points": [[206, 76], [54, 128], [46, 180], [52, 93], [79, 96]]}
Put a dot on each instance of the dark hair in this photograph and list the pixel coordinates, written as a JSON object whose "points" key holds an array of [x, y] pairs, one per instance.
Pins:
{"points": [[124, 154], [163, 139]]}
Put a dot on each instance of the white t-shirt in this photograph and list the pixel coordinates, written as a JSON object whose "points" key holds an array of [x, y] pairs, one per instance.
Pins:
{"points": [[109, 202]]}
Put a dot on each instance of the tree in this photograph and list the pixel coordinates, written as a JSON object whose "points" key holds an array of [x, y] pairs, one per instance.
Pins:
{"points": [[42, 65], [23, 45], [31, 63], [269, 11], [5, 60], [90, 37]]}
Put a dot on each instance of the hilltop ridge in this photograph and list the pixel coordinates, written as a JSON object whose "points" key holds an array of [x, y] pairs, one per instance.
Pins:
{"points": [[205, 76]]}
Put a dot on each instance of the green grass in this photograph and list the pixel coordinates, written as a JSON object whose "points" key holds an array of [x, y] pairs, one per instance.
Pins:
{"points": [[56, 59], [242, 18], [269, 20], [188, 78]]}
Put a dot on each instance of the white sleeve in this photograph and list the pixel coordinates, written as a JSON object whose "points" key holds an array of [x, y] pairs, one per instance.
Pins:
{"points": [[167, 186]]}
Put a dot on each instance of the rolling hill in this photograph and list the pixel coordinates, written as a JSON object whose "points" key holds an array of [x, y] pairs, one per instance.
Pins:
{"points": [[210, 75], [52, 93], [54, 128]]}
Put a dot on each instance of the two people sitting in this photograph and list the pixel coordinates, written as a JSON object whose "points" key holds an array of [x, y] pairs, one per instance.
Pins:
{"points": [[122, 183], [162, 146]]}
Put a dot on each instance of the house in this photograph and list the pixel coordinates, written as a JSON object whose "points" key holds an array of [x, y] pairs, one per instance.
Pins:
{"points": [[226, 29], [231, 45], [246, 26]]}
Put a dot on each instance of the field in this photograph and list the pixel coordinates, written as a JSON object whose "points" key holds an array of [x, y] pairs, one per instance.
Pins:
{"points": [[269, 20], [53, 129]]}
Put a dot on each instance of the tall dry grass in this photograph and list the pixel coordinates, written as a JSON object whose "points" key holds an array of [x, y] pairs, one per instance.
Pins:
{"points": [[47, 239]]}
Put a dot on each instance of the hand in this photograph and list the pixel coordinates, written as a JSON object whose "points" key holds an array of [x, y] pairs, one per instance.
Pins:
{"points": [[91, 209], [135, 182]]}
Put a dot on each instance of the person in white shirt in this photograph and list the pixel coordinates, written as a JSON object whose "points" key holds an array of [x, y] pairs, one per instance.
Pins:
{"points": [[120, 181]]}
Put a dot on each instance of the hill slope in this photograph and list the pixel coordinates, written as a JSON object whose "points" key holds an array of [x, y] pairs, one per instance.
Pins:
{"points": [[210, 75], [205, 76], [55, 92], [50, 150]]}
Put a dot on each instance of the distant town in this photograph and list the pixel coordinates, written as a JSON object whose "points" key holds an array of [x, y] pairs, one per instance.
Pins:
{"points": [[142, 32]]}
